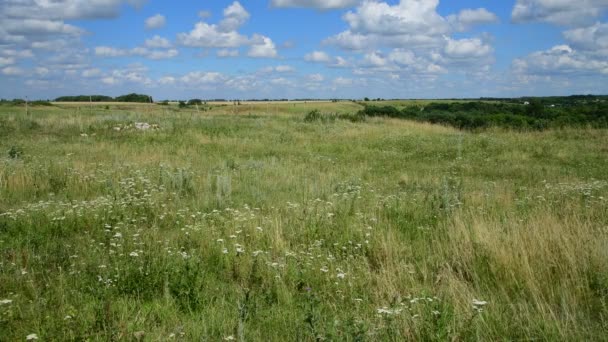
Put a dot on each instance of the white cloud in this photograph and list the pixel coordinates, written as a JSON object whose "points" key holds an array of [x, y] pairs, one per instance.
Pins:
{"points": [[31, 21], [158, 42], [318, 4], [408, 23], [560, 60], [12, 71], [278, 68], [234, 17], [65, 9], [316, 78], [225, 35], [161, 54], [262, 47], [4, 61], [592, 38], [228, 53], [107, 51], [561, 12], [284, 68], [155, 22], [317, 56], [167, 80], [39, 27], [201, 78], [93, 72], [468, 18], [209, 36], [375, 60], [408, 16], [467, 48]]}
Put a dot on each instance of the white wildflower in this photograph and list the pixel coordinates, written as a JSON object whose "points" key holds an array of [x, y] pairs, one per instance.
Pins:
{"points": [[5, 301], [31, 337], [134, 254], [341, 275], [324, 269], [479, 303]]}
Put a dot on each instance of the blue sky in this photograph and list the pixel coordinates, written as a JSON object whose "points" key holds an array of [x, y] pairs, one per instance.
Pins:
{"points": [[303, 48]]}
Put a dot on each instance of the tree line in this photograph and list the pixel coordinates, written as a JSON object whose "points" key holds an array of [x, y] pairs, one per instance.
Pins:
{"points": [[536, 114], [139, 98]]}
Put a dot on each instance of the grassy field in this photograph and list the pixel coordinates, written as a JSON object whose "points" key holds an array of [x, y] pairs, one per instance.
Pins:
{"points": [[249, 223]]}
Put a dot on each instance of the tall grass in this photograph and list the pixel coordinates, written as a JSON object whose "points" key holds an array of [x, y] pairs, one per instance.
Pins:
{"points": [[225, 225]]}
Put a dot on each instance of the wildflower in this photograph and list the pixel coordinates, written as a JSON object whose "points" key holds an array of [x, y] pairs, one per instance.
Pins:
{"points": [[5, 301], [324, 269], [134, 254], [118, 235], [478, 305], [225, 250], [239, 249], [341, 275], [31, 337], [479, 302], [68, 317], [229, 338], [220, 240]]}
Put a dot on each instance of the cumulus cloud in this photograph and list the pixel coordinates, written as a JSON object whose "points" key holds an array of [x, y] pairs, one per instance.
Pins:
{"points": [[561, 12], [4, 61], [158, 42], [409, 23], [209, 36], [228, 53], [225, 35], [30, 21], [468, 18], [12, 71], [108, 51], [317, 56], [593, 38], [278, 69], [155, 22], [65, 9], [467, 48], [262, 47], [560, 60], [317, 4], [234, 17], [412, 38]]}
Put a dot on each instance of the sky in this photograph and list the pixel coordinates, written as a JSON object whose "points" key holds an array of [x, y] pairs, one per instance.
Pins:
{"points": [[293, 49]]}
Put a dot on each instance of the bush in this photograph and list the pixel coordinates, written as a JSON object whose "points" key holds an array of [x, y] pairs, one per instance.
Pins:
{"points": [[313, 115], [15, 152], [479, 114]]}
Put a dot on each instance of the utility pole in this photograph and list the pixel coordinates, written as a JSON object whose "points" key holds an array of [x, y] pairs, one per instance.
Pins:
{"points": [[27, 111]]}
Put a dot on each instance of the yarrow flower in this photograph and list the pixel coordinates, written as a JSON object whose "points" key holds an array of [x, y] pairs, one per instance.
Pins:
{"points": [[31, 337], [5, 301]]}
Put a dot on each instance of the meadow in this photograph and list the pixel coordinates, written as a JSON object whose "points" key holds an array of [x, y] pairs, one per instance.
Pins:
{"points": [[251, 223]]}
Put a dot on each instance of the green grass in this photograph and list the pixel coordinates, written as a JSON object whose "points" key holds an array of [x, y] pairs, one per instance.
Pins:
{"points": [[248, 222]]}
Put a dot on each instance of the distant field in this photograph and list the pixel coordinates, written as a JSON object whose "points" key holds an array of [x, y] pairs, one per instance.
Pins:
{"points": [[248, 222]]}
